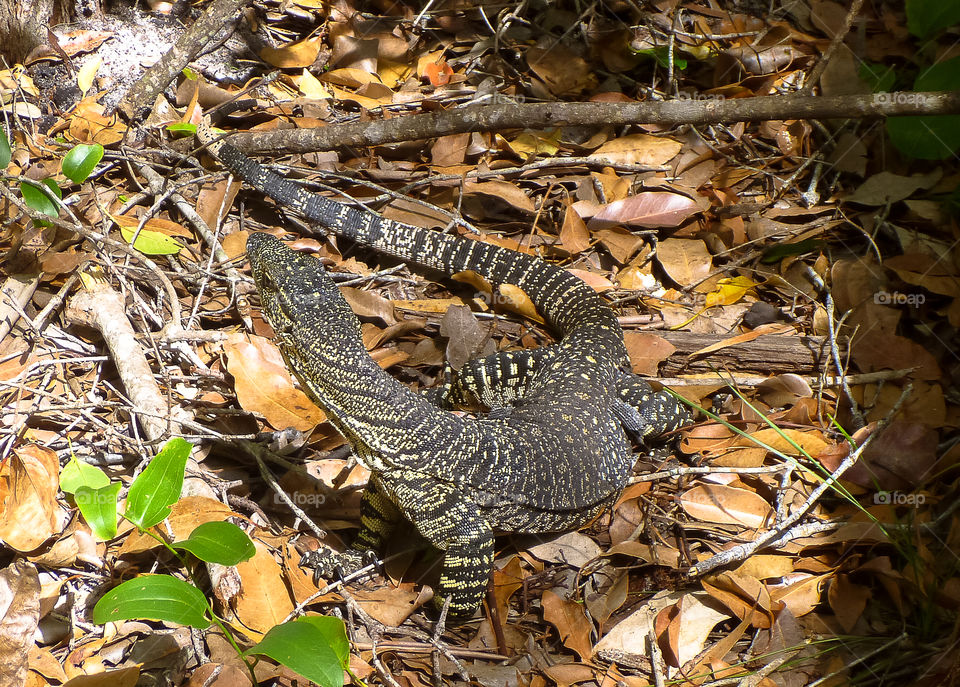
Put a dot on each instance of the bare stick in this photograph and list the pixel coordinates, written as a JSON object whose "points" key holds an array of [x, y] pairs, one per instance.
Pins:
{"points": [[102, 307], [541, 115]]}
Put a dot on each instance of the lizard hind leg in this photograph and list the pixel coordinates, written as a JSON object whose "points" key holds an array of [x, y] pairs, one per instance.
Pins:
{"points": [[378, 519], [450, 521]]}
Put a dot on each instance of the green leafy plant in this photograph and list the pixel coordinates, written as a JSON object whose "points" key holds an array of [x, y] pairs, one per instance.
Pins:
{"points": [[932, 137], [79, 163], [39, 196], [316, 647], [5, 152]]}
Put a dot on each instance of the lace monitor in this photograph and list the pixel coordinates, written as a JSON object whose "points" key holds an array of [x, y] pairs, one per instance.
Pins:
{"points": [[549, 457]]}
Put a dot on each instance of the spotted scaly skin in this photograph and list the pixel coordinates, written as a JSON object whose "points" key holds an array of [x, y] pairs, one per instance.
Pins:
{"points": [[554, 460]]}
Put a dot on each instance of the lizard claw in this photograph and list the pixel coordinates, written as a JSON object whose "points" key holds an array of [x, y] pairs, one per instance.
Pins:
{"points": [[326, 562]]}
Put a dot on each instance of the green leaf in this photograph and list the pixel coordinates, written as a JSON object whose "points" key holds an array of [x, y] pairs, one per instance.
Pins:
{"points": [[80, 161], [5, 152], [316, 647], [159, 485], [153, 597], [218, 542], [879, 77], [151, 242], [661, 54], [924, 17], [778, 252], [182, 128], [99, 508], [189, 74], [76, 474], [38, 200], [933, 137]]}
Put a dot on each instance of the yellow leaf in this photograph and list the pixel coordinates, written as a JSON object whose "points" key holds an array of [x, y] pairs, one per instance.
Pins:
{"points": [[311, 87], [88, 73], [730, 291]]}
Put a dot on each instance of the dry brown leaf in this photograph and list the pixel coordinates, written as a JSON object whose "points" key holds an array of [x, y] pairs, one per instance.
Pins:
{"points": [[764, 566], [606, 592], [264, 386], [694, 617], [799, 591], [686, 261], [927, 404], [784, 389], [762, 330], [655, 554], [727, 505], [369, 304], [811, 441], [595, 281], [264, 600], [391, 606], [562, 70], [158, 224], [515, 299], [19, 618], [429, 305], [214, 202], [568, 674], [89, 124], [638, 149], [647, 209], [746, 597], [573, 548], [449, 150], [847, 600], [929, 272], [507, 580], [621, 244], [298, 54], [878, 349], [886, 187], [29, 511], [629, 636], [466, 337], [495, 198], [571, 622], [647, 351], [573, 234], [901, 457]]}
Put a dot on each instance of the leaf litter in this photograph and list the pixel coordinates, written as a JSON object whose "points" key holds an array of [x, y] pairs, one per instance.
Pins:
{"points": [[736, 227]]}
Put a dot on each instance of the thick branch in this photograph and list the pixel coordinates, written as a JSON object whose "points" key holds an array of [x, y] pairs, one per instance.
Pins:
{"points": [[543, 115]]}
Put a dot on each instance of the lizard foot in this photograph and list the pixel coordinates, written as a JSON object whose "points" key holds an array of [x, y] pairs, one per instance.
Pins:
{"points": [[326, 562]]}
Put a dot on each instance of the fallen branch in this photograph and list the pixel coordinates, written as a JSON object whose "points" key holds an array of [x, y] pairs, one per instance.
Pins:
{"points": [[546, 115], [103, 308]]}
